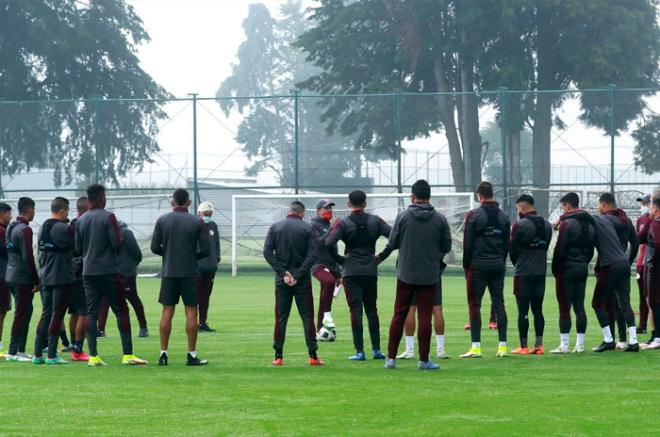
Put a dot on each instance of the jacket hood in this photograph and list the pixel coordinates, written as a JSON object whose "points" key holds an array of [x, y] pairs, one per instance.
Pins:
{"points": [[620, 214], [422, 211], [579, 214], [122, 225]]}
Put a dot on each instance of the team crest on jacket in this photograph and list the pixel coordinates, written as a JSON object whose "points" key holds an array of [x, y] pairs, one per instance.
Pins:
{"points": [[211, 233]]}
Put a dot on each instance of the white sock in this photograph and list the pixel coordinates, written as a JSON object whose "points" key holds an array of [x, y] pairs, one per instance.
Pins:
{"points": [[580, 339], [564, 340], [503, 343], [440, 340], [476, 344], [632, 333], [410, 342], [164, 352], [327, 316], [607, 334], [193, 354], [1, 345]]}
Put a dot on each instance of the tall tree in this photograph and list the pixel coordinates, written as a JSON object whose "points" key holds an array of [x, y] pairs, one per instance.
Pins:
{"points": [[71, 50]]}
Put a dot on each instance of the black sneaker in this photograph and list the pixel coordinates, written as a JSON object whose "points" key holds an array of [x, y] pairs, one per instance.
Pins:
{"points": [[632, 348], [195, 361], [604, 346], [641, 329], [101, 334], [162, 361], [144, 332], [204, 327]]}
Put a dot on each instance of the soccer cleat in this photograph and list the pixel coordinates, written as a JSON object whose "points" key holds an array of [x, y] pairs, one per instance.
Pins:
{"points": [[144, 332], [492, 325], [359, 356], [100, 334], [502, 351], [3, 353], [390, 363], [79, 356], [427, 365], [560, 350], [316, 361], [204, 327], [67, 349], [278, 362], [195, 361], [467, 327], [441, 354], [378, 355], [474, 352], [604, 346], [621, 345], [96, 362], [22, 357], [132, 360], [162, 360], [520, 351], [631, 348], [537, 350], [578, 349], [655, 344], [38, 360], [57, 360], [406, 355], [641, 329]]}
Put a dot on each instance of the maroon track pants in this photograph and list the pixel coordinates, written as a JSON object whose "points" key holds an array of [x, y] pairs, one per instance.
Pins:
{"points": [[205, 287], [328, 280]]}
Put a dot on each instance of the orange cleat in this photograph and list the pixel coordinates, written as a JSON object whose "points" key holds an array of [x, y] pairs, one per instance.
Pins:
{"points": [[492, 325], [278, 362], [82, 356], [520, 351], [467, 327], [316, 362], [537, 350]]}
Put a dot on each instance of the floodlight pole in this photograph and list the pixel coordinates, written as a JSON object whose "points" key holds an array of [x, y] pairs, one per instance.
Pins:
{"points": [[503, 116], [195, 186], [612, 135], [296, 141]]}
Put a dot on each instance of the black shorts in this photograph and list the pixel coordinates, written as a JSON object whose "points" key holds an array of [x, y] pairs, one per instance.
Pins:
{"points": [[5, 297], [78, 303], [173, 288], [437, 298]]}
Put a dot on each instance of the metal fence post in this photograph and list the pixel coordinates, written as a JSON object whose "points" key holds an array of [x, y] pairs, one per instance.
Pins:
{"points": [[97, 139], [397, 123], [296, 143], [612, 134], [195, 186], [503, 120]]}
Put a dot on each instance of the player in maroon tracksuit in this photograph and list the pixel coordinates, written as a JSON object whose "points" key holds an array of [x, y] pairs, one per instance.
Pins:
{"points": [[652, 272], [643, 222], [5, 294]]}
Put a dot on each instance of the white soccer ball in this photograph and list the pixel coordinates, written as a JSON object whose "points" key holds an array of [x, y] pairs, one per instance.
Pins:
{"points": [[326, 334]]}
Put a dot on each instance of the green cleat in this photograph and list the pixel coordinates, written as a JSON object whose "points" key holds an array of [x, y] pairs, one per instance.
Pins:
{"points": [[56, 360]]}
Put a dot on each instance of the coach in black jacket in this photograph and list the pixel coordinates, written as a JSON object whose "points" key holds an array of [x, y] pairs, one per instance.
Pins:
{"points": [[289, 250], [181, 239]]}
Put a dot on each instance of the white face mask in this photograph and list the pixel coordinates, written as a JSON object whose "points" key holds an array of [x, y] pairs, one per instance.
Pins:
{"points": [[207, 219], [644, 209]]}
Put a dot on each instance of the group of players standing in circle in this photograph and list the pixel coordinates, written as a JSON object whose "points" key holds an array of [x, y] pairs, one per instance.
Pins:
{"points": [[297, 250]]}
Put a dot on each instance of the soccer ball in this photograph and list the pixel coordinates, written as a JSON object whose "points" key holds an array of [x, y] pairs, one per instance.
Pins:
{"points": [[326, 334]]}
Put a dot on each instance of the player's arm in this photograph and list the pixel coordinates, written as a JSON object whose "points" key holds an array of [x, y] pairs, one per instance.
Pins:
{"points": [[157, 239], [216, 241], [335, 234], [309, 258], [113, 232], [506, 232], [514, 251], [269, 253], [633, 243], [445, 237], [78, 243], [131, 246], [28, 255], [655, 259], [203, 240], [560, 248], [468, 240], [383, 228], [394, 240]]}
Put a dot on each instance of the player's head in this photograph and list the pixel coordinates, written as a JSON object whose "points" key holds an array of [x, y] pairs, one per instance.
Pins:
{"points": [[484, 191], [297, 208], [421, 192], [59, 208], [569, 202], [644, 203], [26, 208], [5, 213], [606, 202], [357, 199], [524, 204], [324, 209], [181, 198], [96, 195], [655, 207], [205, 211], [82, 205]]}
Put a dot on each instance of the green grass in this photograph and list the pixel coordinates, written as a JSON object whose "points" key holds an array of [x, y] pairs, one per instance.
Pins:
{"points": [[239, 393]]}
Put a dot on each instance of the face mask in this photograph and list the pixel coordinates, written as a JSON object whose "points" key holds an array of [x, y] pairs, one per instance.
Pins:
{"points": [[644, 210], [326, 215], [206, 219]]}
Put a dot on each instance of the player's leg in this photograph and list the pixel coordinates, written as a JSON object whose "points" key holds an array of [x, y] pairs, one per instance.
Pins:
{"points": [[409, 330], [205, 287], [578, 293], [536, 303], [476, 287], [192, 328], [327, 282], [354, 292], [439, 323], [522, 293], [283, 302], [22, 314], [305, 304], [425, 298], [78, 321], [625, 308], [5, 306], [61, 297], [113, 290], [604, 290], [41, 338], [131, 293], [562, 290], [93, 298], [370, 299], [492, 319], [643, 305], [402, 306], [495, 283], [165, 330], [103, 316]]}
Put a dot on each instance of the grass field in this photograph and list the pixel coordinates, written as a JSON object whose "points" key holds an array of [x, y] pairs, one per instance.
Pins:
{"points": [[239, 393]]}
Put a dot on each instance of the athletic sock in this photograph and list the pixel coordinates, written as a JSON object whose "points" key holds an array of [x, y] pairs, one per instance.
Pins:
{"points": [[1, 345], [538, 342], [580, 339], [523, 342], [192, 354], [632, 333], [440, 341], [313, 356], [164, 352], [476, 345], [410, 342], [502, 343], [327, 316], [607, 334], [564, 340]]}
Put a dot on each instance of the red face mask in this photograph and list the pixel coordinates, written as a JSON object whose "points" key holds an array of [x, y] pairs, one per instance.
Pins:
{"points": [[326, 215]]}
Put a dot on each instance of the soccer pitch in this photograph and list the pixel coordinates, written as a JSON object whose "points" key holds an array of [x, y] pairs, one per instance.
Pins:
{"points": [[240, 393]]}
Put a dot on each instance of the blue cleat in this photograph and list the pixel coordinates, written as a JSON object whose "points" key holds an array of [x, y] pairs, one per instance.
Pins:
{"points": [[390, 363], [378, 355], [428, 365], [359, 356]]}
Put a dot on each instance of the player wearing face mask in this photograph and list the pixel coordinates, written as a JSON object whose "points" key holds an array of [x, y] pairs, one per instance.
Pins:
{"points": [[207, 266], [643, 223]]}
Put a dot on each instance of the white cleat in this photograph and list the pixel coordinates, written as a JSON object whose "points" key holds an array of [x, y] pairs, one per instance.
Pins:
{"points": [[655, 344], [22, 357], [560, 350], [578, 349], [621, 345], [441, 354], [406, 355]]}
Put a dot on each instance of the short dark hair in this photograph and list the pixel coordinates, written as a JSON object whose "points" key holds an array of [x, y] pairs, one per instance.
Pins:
{"points": [[607, 199], [421, 190], [58, 204], [180, 196], [297, 206], [570, 199], [357, 198], [485, 188], [95, 192], [82, 204], [25, 203], [4, 207], [527, 198]]}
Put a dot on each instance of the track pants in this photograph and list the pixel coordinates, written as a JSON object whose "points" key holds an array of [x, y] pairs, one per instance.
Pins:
{"points": [[405, 293], [643, 304], [571, 284], [327, 280], [529, 292], [23, 296], [284, 297], [478, 279], [205, 287], [55, 301], [130, 291], [362, 295], [613, 282]]}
